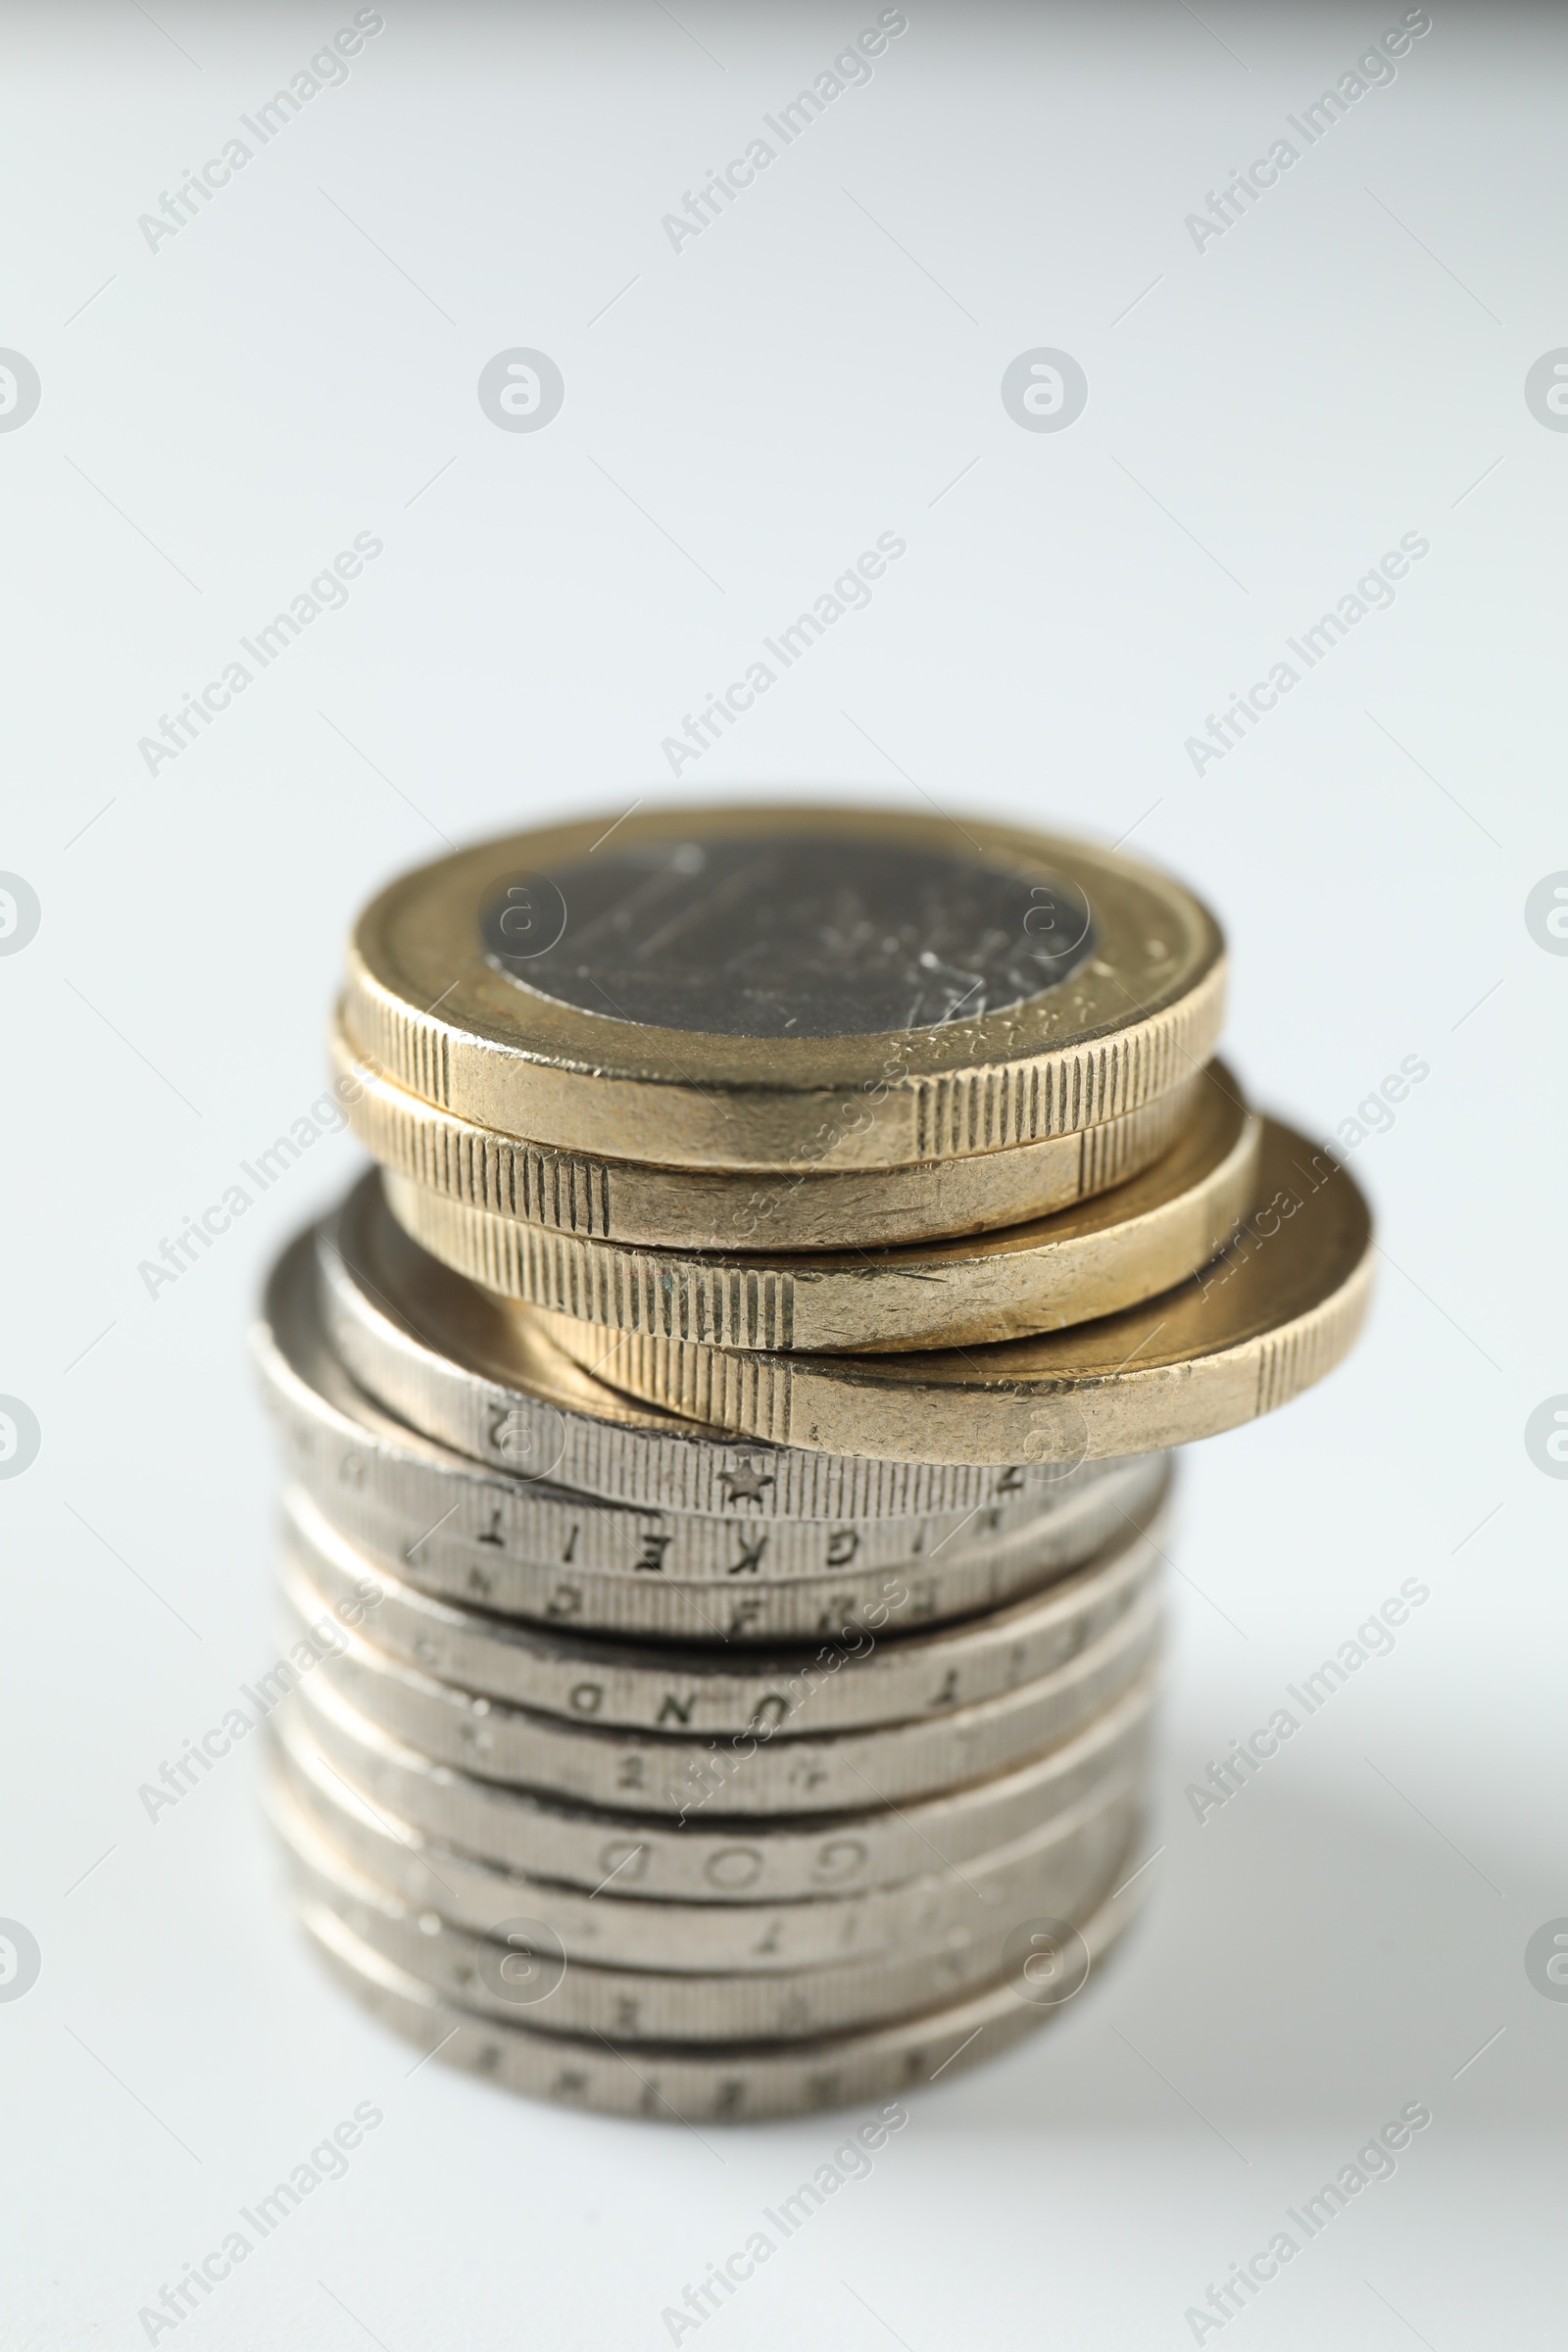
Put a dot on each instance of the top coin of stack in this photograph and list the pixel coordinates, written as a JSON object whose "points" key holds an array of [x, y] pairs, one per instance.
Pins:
{"points": [[807, 1122]]}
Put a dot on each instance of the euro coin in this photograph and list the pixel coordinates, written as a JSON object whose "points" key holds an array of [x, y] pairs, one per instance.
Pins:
{"points": [[783, 988], [518, 1387], [677, 2082], [770, 1770], [609, 1928], [1112, 1251], [632, 1202], [1274, 1313], [520, 1970], [712, 1858], [861, 1680], [523, 1547]]}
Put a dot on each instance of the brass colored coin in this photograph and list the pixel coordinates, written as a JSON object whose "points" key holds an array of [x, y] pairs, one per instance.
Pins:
{"points": [[522, 1549], [1272, 1315], [691, 1208], [526, 1975], [481, 1375], [785, 989], [609, 1928], [1090, 1260], [524, 1546], [860, 1681], [679, 2082]]}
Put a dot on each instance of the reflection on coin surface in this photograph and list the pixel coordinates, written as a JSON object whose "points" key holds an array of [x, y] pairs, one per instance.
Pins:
{"points": [[766, 937], [784, 989], [1085, 1262], [1274, 1313]]}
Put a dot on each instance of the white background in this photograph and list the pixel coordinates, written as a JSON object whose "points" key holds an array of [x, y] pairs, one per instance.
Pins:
{"points": [[296, 366]]}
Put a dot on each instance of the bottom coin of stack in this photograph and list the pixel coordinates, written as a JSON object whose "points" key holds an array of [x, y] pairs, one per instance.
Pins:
{"points": [[686, 1776]]}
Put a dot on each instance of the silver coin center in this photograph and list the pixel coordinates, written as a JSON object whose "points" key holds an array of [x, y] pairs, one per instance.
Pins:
{"points": [[787, 935]]}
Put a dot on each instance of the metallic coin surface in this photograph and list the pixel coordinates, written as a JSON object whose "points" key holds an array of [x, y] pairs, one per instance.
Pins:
{"points": [[764, 936], [1089, 1260], [614, 1929], [763, 1773], [481, 1375], [520, 1970], [695, 1209], [859, 1680], [1275, 1314], [859, 989], [677, 2082], [711, 1858], [522, 1546]]}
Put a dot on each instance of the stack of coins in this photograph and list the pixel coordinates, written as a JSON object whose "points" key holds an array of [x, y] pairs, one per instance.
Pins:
{"points": [[729, 1440]]}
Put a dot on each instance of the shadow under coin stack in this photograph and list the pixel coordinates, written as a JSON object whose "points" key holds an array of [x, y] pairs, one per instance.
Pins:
{"points": [[729, 1440]]}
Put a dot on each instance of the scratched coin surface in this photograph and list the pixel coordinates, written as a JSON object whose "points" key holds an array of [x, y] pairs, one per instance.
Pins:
{"points": [[635, 1202], [767, 1772], [728, 1438], [614, 1928], [679, 2082], [1082, 1262], [701, 2003], [529, 1549], [1274, 1313], [710, 1857], [865, 1675], [784, 988], [521, 1387]]}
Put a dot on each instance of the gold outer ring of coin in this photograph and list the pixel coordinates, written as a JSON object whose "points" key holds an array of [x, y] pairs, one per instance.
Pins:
{"points": [[699, 1209], [1274, 1314], [424, 1003], [676, 2081], [510, 1547], [525, 1974], [640, 1931], [1094, 1259], [858, 1682], [454, 1525], [497, 1382]]}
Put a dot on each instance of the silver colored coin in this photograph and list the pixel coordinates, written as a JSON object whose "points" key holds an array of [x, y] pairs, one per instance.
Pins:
{"points": [[714, 1860], [520, 1971], [608, 1929], [477, 1373], [674, 2081], [521, 1548], [759, 1610], [794, 937], [750, 1775], [856, 1679]]}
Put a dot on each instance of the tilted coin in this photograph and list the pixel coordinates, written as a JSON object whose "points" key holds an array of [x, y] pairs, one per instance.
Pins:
{"points": [[520, 1968], [744, 2083], [861, 1678], [1086, 1261], [1274, 1313], [706, 1858], [522, 1546], [784, 988], [641, 1931], [480, 1374], [703, 1208], [765, 1773]]}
